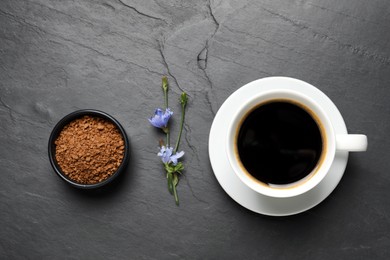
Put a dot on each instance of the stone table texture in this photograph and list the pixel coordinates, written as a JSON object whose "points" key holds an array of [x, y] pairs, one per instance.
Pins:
{"points": [[60, 56]]}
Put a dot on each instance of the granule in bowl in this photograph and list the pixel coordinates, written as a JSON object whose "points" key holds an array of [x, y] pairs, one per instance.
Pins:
{"points": [[89, 149]]}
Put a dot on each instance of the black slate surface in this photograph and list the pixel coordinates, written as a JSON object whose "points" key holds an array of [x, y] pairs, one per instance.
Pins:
{"points": [[60, 56]]}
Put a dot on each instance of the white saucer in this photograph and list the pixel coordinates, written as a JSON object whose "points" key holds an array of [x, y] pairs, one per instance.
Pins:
{"points": [[235, 188]]}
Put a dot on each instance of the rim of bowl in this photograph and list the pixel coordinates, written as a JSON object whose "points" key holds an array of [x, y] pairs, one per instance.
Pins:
{"points": [[67, 119]]}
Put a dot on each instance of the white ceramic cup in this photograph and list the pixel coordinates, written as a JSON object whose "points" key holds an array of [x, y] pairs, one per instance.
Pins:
{"points": [[331, 143]]}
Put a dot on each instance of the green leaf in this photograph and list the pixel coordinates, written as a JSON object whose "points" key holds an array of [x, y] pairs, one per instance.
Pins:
{"points": [[165, 130], [175, 180], [183, 99], [165, 83], [179, 167], [169, 168]]}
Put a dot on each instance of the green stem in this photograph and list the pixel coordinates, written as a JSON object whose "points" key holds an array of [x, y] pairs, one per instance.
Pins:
{"points": [[183, 113], [175, 194], [166, 97], [168, 137], [166, 106]]}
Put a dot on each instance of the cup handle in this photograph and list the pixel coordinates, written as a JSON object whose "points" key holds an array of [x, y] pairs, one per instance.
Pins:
{"points": [[351, 143]]}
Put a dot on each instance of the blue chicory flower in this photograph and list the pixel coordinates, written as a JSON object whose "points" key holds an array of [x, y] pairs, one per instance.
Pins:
{"points": [[167, 157], [160, 118]]}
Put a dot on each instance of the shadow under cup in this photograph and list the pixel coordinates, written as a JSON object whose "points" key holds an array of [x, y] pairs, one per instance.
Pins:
{"points": [[281, 144]]}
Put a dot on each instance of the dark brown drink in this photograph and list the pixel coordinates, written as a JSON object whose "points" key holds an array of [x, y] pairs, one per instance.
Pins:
{"points": [[279, 142]]}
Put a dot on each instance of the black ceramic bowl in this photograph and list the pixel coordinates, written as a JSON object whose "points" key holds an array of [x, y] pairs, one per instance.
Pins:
{"points": [[67, 119]]}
